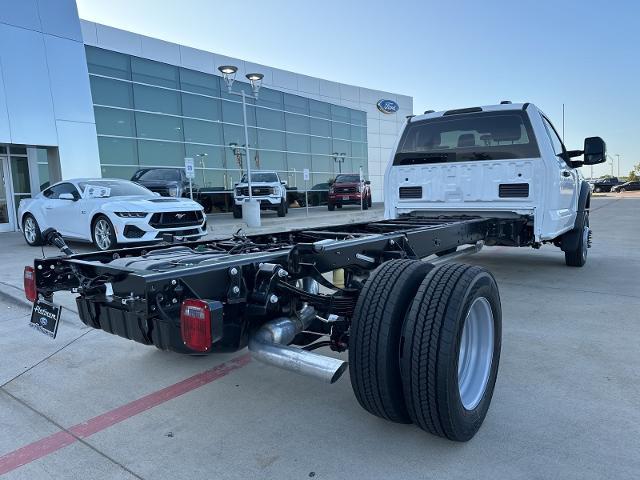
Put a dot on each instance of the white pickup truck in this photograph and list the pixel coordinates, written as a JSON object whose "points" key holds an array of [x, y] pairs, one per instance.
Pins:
{"points": [[267, 188], [504, 161]]}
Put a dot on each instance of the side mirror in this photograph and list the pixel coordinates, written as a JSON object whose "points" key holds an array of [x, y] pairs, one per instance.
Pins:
{"points": [[284, 182], [156, 194], [367, 182], [66, 196], [595, 151]]}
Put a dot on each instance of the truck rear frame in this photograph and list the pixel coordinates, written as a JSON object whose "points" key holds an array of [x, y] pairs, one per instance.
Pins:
{"points": [[271, 292]]}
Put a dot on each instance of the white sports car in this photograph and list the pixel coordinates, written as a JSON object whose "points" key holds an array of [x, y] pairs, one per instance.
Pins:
{"points": [[108, 212]]}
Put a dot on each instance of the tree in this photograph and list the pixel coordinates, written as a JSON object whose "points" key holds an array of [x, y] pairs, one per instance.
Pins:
{"points": [[633, 176]]}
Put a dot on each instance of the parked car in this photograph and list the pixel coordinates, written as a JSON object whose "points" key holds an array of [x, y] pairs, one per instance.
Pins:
{"points": [[108, 212], [349, 189], [318, 194], [267, 188], [604, 184], [626, 187], [171, 182]]}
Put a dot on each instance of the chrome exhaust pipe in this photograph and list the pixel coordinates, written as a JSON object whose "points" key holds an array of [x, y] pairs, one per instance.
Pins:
{"points": [[270, 344]]}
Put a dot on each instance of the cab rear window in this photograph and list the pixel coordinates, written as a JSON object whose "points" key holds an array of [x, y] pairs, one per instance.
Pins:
{"points": [[465, 137]]}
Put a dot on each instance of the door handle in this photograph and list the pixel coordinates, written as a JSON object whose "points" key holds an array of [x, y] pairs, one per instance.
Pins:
{"points": [[566, 173]]}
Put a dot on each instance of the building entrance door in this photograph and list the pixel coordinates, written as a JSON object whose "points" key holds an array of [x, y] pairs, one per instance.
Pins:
{"points": [[6, 203]]}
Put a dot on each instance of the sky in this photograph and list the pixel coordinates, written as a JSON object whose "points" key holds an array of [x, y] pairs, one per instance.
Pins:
{"points": [[445, 54]]}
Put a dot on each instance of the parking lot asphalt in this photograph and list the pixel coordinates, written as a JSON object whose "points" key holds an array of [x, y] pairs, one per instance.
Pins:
{"points": [[92, 405]]}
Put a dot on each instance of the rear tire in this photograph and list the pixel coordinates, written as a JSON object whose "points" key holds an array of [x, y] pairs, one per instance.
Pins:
{"points": [[339, 205], [31, 231], [451, 350], [365, 204], [331, 206], [374, 340], [237, 211], [206, 205], [370, 202], [597, 189]]}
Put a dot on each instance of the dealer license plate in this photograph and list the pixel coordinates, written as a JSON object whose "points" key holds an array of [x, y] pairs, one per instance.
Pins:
{"points": [[345, 197], [45, 317]]}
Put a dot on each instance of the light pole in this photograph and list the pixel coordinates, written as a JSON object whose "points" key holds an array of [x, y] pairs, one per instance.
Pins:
{"points": [[339, 159], [618, 155], [610, 158], [202, 156], [255, 79]]}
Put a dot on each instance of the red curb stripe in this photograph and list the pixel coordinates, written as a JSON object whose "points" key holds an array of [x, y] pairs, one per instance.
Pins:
{"points": [[59, 440]]}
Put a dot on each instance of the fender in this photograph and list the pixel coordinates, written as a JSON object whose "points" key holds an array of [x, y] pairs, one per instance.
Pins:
{"points": [[584, 200], [569, 241]]}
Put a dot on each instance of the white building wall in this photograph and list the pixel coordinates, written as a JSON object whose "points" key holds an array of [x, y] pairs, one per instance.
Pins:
{"points": [[45, 99], [382, 128]]}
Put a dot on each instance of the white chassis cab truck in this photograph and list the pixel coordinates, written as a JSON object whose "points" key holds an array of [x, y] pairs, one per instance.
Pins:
{"points": [[423, 337], [499, 161]]}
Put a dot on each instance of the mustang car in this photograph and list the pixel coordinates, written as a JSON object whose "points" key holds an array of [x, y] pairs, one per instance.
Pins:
{"points": [[108, 212]]}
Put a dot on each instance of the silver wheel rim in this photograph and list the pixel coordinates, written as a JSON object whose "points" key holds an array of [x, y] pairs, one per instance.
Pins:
{"points": [[30, 230], [585, 242], [102, 234], [476, 353]]}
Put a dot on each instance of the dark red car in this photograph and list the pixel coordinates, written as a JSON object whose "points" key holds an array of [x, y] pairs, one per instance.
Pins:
{"points": [[348, 189]]}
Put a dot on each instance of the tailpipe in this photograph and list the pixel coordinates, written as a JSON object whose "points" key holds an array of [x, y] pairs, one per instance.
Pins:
{"points": [[270, 344]]}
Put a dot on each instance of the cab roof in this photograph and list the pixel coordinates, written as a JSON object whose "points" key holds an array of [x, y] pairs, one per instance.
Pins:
{"points": [[483, 108]]}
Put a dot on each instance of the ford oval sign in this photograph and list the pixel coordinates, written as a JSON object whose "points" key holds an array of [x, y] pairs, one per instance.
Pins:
{"points": [[387, 106]]}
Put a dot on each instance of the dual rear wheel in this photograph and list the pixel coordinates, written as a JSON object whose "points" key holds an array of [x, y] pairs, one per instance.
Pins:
{"points": [[425, 345]]}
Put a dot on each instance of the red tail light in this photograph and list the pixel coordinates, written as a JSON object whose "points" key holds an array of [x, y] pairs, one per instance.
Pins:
{"points": [[195, 324], [30, 284]]}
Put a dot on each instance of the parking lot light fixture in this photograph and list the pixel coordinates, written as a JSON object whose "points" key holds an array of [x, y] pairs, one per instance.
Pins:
{"points": [[229, 74], [339, 159], [256, 82]]}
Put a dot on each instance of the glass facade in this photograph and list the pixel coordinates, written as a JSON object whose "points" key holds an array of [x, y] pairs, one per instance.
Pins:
{"points": [[154, 114]]}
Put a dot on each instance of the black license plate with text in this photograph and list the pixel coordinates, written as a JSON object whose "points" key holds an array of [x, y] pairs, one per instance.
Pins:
{"points": [[45, 317]]}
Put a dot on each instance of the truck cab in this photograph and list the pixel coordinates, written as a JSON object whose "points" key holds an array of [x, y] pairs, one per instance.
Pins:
{"points": [[499, 161]]}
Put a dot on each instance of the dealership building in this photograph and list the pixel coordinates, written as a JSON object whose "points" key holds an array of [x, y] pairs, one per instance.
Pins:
{"points": [[81, 99]]}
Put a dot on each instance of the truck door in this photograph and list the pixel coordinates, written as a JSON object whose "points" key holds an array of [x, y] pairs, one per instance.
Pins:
{"points": [[568, 181]]}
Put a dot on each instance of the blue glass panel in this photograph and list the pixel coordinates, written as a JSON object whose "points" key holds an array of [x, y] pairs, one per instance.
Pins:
{"points": [[197, 106], [163, 127], [111, 92], [106, 62], [120, 151], [155, 73], [156, 99], [198, 82], [161, 153], [114, 121]]}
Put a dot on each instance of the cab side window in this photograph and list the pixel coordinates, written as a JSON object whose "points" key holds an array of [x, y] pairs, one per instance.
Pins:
{"points": [[558, 147]]}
